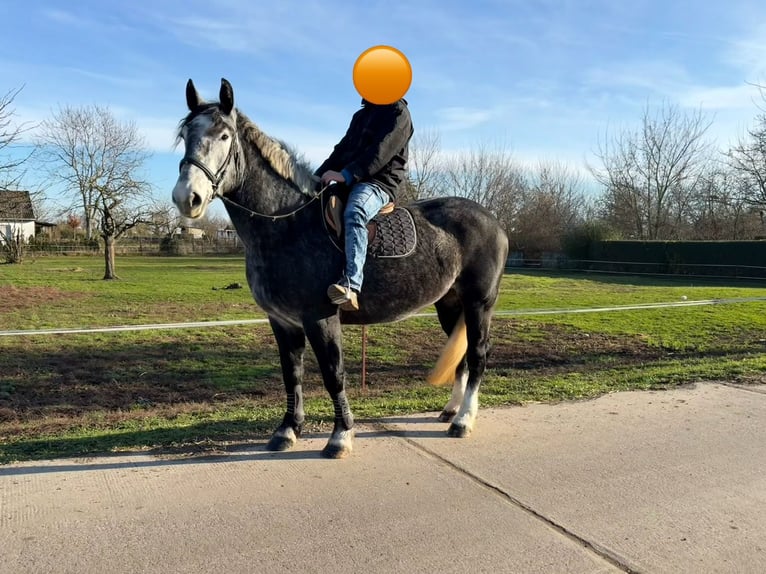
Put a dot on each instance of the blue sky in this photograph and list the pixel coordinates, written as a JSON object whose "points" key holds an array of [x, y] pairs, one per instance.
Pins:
{"points": [[543, 79]]}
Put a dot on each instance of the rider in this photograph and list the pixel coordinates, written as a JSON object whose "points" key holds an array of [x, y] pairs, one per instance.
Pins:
{"points": [[371, 159]]}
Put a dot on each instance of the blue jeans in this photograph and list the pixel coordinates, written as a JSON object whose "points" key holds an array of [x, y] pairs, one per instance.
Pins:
{"points": [[364, 202]]}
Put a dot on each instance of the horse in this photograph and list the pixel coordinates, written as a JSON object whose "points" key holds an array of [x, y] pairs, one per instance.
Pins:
{"points": [[270, 194]]}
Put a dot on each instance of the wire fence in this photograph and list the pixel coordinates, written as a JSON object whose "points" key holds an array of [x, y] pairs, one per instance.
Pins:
{"points": [[510, 313], [691, 270], [139, 246]]}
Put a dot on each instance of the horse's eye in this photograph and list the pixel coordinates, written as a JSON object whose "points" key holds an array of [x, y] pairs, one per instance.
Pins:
{"points": [[225, 137]]}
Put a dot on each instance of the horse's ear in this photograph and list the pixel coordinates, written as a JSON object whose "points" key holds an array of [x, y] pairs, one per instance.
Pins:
{"points": [[226, 96], [192, 97]]}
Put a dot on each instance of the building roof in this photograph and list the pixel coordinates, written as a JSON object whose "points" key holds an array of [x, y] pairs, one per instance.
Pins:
{"points": [[16, 206]]}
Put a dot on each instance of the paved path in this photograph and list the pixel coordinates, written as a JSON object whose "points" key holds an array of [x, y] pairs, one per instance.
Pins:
{"points": [[669, 481]]}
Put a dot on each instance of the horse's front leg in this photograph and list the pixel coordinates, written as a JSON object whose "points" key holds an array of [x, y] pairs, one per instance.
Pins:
{"points": [[291, 341], [326, 340]]}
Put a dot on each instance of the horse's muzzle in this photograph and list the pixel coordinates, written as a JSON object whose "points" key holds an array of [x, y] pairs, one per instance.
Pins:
{"points": [[189, 202]]}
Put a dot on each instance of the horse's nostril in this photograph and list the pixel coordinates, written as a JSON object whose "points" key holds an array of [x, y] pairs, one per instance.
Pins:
{"points": [[196, 200]]}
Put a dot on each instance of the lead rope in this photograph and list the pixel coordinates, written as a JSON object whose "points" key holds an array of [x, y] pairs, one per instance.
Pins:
{"points": [[283, 216], [364, 358]]}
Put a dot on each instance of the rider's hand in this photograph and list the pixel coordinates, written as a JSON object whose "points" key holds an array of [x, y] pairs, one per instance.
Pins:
{"points": [[331, 175]]}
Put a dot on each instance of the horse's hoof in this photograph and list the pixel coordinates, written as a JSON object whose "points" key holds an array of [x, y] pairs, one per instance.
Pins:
{"points": [[458, 431], [335, 451], [340, 444], [279, 443], [447, 416]]}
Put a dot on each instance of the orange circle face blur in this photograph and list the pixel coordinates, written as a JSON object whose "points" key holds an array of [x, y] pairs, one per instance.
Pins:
{"points": [[382, 75]]}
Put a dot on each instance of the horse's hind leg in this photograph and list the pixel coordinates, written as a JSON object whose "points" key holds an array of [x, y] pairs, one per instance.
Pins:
{"points": [[478, 290], [326, 338], [477, 318], [449, 311], [458, 392], [292, 344]]}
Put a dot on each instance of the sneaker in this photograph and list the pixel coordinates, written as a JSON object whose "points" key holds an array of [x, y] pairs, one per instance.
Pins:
{"points": [[343, 296]]}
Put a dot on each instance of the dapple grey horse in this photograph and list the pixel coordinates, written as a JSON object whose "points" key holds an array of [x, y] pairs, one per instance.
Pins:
{"points": [[271, 198]]}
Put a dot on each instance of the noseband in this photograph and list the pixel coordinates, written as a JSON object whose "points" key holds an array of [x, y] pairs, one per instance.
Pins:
{"points": [[214, 178]]}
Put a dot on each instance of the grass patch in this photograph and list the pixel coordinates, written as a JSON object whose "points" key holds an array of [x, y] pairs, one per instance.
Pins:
{"points": [[196, 389]]}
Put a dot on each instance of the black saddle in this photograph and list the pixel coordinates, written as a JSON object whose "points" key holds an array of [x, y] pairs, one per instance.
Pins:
{"points": [[391, 233]]}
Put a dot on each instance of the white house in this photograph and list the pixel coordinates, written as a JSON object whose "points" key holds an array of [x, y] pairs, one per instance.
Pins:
{"points": [[227, 234], [17, 217], [189, 231]]}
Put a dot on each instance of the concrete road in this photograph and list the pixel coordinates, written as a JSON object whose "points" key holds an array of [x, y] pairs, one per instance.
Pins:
{"points": [[668, 481]]}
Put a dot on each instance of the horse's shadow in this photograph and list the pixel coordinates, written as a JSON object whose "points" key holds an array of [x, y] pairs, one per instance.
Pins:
{"points": [[425, 419], [248, 451]]}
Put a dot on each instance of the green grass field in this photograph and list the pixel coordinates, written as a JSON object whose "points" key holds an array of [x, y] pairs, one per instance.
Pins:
{"points": [[192, 389]]}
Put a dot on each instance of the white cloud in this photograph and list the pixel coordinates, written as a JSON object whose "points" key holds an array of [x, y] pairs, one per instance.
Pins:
{"points": [[65, 17], [313, 145], [722, 97], [747, 51], [115, 80], [461, 118], [248, 28], [659, 76], [160, 134]]}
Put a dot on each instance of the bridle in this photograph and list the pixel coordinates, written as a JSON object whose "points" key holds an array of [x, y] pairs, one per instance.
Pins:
{"points": [[217, 177]]}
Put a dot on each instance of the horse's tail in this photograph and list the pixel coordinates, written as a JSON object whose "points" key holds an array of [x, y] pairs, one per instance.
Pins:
{"points": [[454, 351]]}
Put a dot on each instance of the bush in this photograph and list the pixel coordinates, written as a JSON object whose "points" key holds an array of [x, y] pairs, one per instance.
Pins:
{"points": [[577, 242], [13, 247], [718, 258]]}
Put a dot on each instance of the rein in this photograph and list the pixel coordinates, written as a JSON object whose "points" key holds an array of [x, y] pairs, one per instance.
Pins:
{"points": [[272, 216]]}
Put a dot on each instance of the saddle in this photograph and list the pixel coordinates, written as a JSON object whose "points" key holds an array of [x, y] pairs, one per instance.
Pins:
{"points": [[391, 233]]}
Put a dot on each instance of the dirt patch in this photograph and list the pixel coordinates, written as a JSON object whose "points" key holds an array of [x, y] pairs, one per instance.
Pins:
{"points": [[18, 298], [59, 377], [69, 377], [551, 347]]}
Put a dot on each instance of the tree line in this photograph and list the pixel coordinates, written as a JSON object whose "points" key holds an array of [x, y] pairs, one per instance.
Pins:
{"points": [[662, 180]]}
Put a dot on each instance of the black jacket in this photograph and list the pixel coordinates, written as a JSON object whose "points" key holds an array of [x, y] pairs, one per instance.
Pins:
{"points": [[375, 146]]}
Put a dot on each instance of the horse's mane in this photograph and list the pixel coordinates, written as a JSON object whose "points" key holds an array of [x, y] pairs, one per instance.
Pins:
{"points": [[284, 160]]}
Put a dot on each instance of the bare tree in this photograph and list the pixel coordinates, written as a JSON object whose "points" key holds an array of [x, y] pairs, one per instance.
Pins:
{"points": [[12, 245], [748, 159], [212, 223], [98, 159], [164, 219], [490, 177], [11, 164], [553, 205], [650, 175], [425, 176], [720, 210]]}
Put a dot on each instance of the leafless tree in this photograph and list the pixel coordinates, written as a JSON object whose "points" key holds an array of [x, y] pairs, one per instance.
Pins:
{"points": [[164, 219], [491, 177], [99, 159], [650, 175], [553, 204], [425, 174], [15, 153], [12, 246], [748, 159], [720, 210], [12, 160], [211, 224]]}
